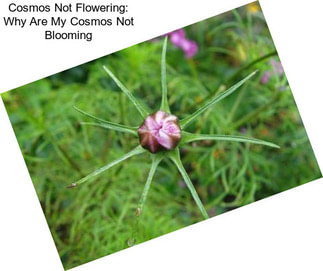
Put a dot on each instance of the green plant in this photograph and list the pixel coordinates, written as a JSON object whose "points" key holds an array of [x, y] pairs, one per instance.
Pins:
{"points": [[172, 152]]}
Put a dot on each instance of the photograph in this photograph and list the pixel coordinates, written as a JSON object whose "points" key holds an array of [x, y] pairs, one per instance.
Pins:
{"points": [[164, 134]]}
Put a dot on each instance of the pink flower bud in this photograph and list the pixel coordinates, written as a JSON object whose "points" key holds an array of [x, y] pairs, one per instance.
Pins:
{"points": [[177, 36], [189, 47], [160, 131]]}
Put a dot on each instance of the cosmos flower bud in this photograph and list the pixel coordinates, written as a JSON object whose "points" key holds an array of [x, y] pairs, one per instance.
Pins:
{"points": [[159, 131]]}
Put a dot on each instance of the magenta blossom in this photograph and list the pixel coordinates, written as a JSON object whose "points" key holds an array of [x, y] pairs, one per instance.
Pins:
{"points": [[277, 68], [159, 131], [265, 77], [179, 40], [176, 37], [189, 47]]}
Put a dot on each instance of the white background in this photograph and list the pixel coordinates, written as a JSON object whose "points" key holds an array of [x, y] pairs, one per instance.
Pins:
{"points": [[283, 232]]}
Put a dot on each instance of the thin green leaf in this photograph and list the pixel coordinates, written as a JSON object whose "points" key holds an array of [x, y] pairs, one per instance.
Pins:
{"points": [[91, 176], [175, 157], [188, 137], [107, 124], [136, 103], [223, 26], [250, 64], [164, 103], [155, 162], [184, 122]]}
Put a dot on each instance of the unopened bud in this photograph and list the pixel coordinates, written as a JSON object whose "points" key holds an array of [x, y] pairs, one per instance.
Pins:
{"points": [[160, 131]]}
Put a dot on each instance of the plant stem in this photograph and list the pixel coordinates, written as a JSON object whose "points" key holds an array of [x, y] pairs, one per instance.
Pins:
{"points": [[254, 113], [155, 162], [235, 74], [188, 137], [107, 124], [236, 104], [184, 122], [129, 130], [91, 176], [164, 103], [175, 157], [251, 64], [136, 103]]}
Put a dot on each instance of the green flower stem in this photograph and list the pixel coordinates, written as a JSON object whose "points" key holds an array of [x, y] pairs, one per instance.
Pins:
{"points": [[236, 104], [175, 157], [223, 51], [223, 26], [188, 137], [91, 176], [240, 71], [184, 122], [164, 103], [107, 124], [254, 113], [62, 153], [251, 64], [155, 162], [136, 103]]}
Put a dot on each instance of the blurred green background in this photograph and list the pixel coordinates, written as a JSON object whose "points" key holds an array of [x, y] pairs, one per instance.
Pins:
{"points": [[97, 218]]}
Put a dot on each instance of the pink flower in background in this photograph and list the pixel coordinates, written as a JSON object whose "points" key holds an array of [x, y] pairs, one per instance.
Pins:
{"points": [[277, 68], [189, 47], [265, 77], [159, 131], [178, 39]]}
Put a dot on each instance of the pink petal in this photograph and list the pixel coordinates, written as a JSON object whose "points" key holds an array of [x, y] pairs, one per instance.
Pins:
{"points": [[176, 37], [151, 123], [189, 47], [165, 140]]}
